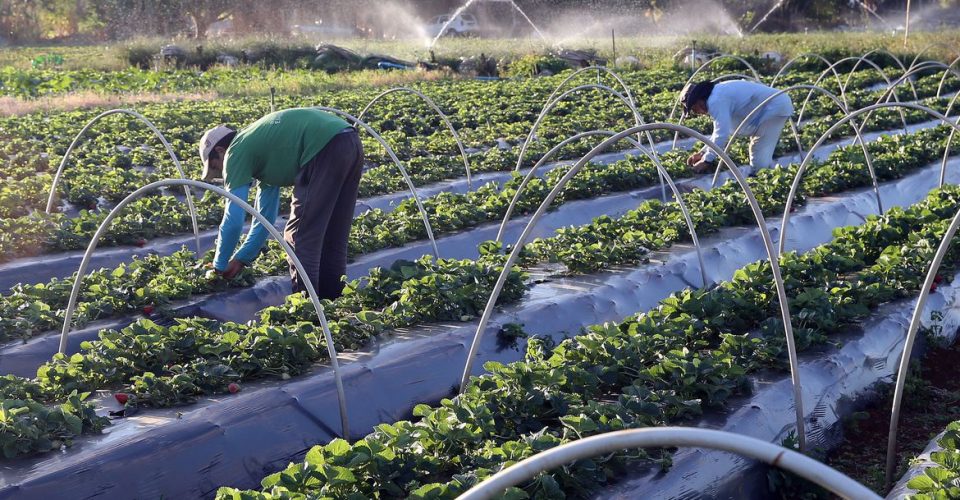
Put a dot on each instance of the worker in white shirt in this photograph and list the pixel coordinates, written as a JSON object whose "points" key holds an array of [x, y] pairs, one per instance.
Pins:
{"points": [[728, 103]]}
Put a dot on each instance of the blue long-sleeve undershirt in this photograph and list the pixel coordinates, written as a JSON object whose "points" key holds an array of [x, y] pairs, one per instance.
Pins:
{"points": [[268, 204]]}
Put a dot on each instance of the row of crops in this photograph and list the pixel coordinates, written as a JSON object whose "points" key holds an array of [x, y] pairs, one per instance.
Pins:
{"points": [[692, 355]]}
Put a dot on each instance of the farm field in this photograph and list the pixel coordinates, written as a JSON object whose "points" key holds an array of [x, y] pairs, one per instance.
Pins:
{"points": [[532, 262]]}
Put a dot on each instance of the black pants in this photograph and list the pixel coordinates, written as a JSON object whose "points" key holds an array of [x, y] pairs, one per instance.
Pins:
{"points": [[321, 214]]}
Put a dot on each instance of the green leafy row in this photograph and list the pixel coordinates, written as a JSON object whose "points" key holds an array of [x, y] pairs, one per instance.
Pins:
{"points": [[171, 365], [943, 480], [665, 366]]}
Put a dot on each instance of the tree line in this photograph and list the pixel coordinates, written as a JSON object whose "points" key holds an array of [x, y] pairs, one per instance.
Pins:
{"points": [[24, 21]]}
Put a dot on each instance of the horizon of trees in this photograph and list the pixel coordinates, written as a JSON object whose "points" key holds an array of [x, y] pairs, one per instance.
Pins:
{"points": [[25, 21]]}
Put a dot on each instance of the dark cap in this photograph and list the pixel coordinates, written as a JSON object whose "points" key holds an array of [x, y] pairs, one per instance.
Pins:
{"points": [[694, 92]]}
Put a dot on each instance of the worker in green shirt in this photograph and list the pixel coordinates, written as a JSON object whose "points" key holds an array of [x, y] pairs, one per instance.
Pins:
{"points": [[318, 154]]}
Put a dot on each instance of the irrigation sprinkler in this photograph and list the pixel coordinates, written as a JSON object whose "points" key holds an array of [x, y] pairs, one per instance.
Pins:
{"points": [[671, 437], [163, 140], [433, 105], [842, 89], [908, 346], [850, 116], [839, 103], [663, 173], [75, 291], [757, 214], [403, 171]]}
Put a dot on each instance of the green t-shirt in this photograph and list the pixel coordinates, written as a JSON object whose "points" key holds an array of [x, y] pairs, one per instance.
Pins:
{"points": [[273, 148]]}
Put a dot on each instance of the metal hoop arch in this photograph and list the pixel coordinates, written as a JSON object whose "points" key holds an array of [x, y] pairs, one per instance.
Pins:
{"points": [[311, 291], [850, 116], [923, 66], [660, 170], [888, 54], [859, 138], [815, 55], [928, 47], [720, 78], [943, 78], [883, 74], [638, 120], [758, 216], [396, 161], [676, 102], [734, 76], [946, 151], [670, 437], [626, 91], [163, 140], [433, 105], [616, 76], [908, 345]]}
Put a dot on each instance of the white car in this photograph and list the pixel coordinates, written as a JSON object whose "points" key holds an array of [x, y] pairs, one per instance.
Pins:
{"points": [[464, 24]]}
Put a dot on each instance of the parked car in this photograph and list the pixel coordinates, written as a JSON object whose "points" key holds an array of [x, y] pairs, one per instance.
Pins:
{"points": [[462, 25]]}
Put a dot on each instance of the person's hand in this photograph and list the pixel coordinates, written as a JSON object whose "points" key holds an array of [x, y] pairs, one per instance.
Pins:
{"points": [[694, 159], [703, 166], [233, 269]]}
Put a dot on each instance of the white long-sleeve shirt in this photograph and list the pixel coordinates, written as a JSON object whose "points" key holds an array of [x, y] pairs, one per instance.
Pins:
{"points": [[731, 101]]}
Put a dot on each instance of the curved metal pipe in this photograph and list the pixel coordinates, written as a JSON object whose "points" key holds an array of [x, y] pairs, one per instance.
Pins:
{"points": [[836, 100], [626, 91], [883, 74], [670, 437], [396, 161], [908, 346], [433, 105], [638, 120], [75, 291], [757, 213], [676, 103], [733, 76], [783, 69], [850, 116], [889, 54], [163, 140], [925, 65], [660, 170], [944, 77], [927, 48], [946, 151], [598, 69]]}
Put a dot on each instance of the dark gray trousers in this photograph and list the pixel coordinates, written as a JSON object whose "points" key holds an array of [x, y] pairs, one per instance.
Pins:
{"points": [[321, 214]]}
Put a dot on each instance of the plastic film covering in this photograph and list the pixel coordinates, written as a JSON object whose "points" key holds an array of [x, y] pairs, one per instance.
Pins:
{"points": [[921, 463], [237, 440], [42, 268], [832, 379]]}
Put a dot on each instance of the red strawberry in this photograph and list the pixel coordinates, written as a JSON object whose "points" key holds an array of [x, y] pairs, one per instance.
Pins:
{"points": [[92, 206], [148, 310], [937, 279], [122, 397], [933, 288], [140, 242], [233, 388]]}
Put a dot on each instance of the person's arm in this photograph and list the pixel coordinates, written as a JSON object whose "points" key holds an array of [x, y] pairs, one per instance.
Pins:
{"points": [[268, 204], [722, 128], [230, 228]]}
